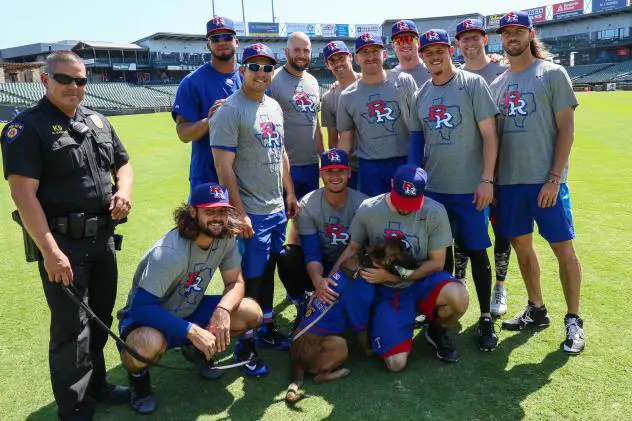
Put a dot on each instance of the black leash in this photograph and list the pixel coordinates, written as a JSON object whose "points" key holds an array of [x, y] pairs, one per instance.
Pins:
{"points": [[131, 351]]}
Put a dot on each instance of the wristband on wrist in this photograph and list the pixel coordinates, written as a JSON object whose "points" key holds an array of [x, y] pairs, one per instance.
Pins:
{"points": [[223, 308], [485, 180], [555, 175], [554, 181]]}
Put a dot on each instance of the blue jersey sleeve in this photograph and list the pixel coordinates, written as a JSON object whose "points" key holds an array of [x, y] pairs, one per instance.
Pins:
{"points": [[416, 149], [311, 248], [187, 104]]}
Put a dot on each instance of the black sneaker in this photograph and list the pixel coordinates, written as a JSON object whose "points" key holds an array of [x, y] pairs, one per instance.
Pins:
{"points": [[142, 398], [245, 351], [575, 342], [487, 338], [441, 341], [83, 411], [269, 337], [531, 316], [110, 394], [205, 368]]}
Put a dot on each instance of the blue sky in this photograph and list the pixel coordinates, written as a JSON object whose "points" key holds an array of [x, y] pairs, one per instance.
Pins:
{"points": [[127, 21]]}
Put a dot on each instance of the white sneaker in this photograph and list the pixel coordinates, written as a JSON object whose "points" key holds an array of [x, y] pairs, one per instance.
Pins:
{"points": [[499, 300]]}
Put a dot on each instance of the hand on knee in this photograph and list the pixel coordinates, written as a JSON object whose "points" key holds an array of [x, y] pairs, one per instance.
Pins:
{"points": [[396, 362]]}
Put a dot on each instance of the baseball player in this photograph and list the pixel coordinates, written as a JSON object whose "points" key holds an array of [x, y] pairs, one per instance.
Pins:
{"points": [[422, 224], [247, 140], [457, 115], [405, 41], [471, 39], [537, 106], [376, 107], [297, 93], [200, 94], [166, 306], [338, 60]]}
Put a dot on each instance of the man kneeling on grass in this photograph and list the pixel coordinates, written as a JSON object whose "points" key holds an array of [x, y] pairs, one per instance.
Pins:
{"points": [[166, 306]]}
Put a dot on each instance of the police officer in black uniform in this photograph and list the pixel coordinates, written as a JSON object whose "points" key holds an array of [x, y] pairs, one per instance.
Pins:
{"points": [[61, 160]]}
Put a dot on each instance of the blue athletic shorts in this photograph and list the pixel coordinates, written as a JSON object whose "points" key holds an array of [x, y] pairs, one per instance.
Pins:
{"points": [[305, 179], [394, 312], [269, 238], [518, 210], [353, 180], [467, 224], [351, 311], [201, 316], [374, 175]]}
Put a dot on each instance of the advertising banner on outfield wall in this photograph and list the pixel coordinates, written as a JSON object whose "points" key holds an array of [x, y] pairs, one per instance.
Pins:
{"points": [[568, 9], [342, 30], [334, 30], [493, 21], [240, 28], [263, 29], [537, 14], [369, 27], [608, 5], [308, 28]]}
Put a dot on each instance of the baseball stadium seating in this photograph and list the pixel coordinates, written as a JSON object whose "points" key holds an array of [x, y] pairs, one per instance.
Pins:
{"points": [[608, 74]]}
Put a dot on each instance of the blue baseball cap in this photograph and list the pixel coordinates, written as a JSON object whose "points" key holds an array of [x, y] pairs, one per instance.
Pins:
{"points": [[335, 47], [432, 37], [334, 158], [209, 195], [403, 26], [517, 18], [258, 50], [220, 24], [470, 25], [367, 38], [407, 188]]}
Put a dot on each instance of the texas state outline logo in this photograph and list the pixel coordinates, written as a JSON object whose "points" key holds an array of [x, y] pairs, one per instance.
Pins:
{"points": [[382, 113], [517, 106], [268, 132], [443, 119]]}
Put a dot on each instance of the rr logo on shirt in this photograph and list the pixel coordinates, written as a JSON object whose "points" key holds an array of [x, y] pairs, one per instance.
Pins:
{"points": [[269, 135], [380, 111], [443, 118], [193, 283], [398, 235], [440, 115], [337, 233], [517, 106], [304, 103]]}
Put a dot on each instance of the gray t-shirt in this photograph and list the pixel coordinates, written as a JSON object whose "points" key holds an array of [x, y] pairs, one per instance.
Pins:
{"points": [[420, 73], [379, 114], [449, 115], [422, 231], [528, 101], [489, 72], [331, 224], [299, 99], [178, 272], [254, 131], [328, 110]]}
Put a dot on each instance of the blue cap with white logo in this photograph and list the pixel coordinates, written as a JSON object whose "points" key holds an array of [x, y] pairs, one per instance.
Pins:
{"points": [[404, 26], [334, 158], [335, 47], [219, 24], [209, 195], [470, 25], [258, 50], [432, 37], [518, 18], [407, 188], [366, 39]]}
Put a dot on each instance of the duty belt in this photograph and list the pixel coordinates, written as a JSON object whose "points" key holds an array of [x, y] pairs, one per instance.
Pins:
{"points": [[79, 225]]}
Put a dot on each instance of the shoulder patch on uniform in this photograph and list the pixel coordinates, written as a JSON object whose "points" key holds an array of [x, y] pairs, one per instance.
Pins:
{"points": [[96, 120], [13, 131]]}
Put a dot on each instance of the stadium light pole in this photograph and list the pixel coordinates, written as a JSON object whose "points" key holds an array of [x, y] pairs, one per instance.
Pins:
{"points": [[243, 13], [213, 6], [273, 12]]}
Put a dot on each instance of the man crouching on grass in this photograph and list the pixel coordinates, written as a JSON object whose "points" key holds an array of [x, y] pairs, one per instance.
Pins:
{"points": [[166, 306]]}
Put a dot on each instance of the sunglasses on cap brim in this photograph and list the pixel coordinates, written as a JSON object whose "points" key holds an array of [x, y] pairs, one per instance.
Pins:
{"points": [[221, 37], [255, 67], [67, 80]]}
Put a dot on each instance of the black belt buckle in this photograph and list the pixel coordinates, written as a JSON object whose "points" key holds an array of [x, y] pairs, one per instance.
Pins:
{"points": [[92, 226], [76, 225]]}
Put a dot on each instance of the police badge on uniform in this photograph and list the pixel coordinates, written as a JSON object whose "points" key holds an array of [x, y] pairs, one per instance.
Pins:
{"points": [[96, 120], [13, 131]]}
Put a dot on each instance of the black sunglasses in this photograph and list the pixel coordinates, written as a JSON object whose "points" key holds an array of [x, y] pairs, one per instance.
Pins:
{"points": [[221, 37], [254, 67], [67, 80]]}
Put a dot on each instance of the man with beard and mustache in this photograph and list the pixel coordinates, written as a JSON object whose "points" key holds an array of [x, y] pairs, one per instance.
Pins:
{"points": [[456, 113], [376, 108], [338, 61], [536, 127], [166, 306], [247, 140], [297, 93], [405, 41], [471, 39], [200, 94]]}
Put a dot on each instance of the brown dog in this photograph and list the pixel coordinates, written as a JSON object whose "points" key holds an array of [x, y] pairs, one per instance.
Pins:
{"points": [[323, 355]]}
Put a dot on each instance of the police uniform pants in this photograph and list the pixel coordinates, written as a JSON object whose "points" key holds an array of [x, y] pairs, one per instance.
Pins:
{"points": [[76, 344]]}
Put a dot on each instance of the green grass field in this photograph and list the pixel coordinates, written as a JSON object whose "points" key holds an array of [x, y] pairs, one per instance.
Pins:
{"points": [[527, 377]]}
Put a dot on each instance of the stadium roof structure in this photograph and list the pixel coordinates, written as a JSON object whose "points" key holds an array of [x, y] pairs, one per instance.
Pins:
{"points": [[456, 18], [100, 45], [34, 49], [201, 38]]}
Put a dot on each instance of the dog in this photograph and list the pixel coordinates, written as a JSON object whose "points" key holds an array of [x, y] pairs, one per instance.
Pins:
{"points": [[321, 355]]}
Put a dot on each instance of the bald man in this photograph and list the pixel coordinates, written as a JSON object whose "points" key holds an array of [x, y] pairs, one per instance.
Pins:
{"points": [[297, 92]]}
